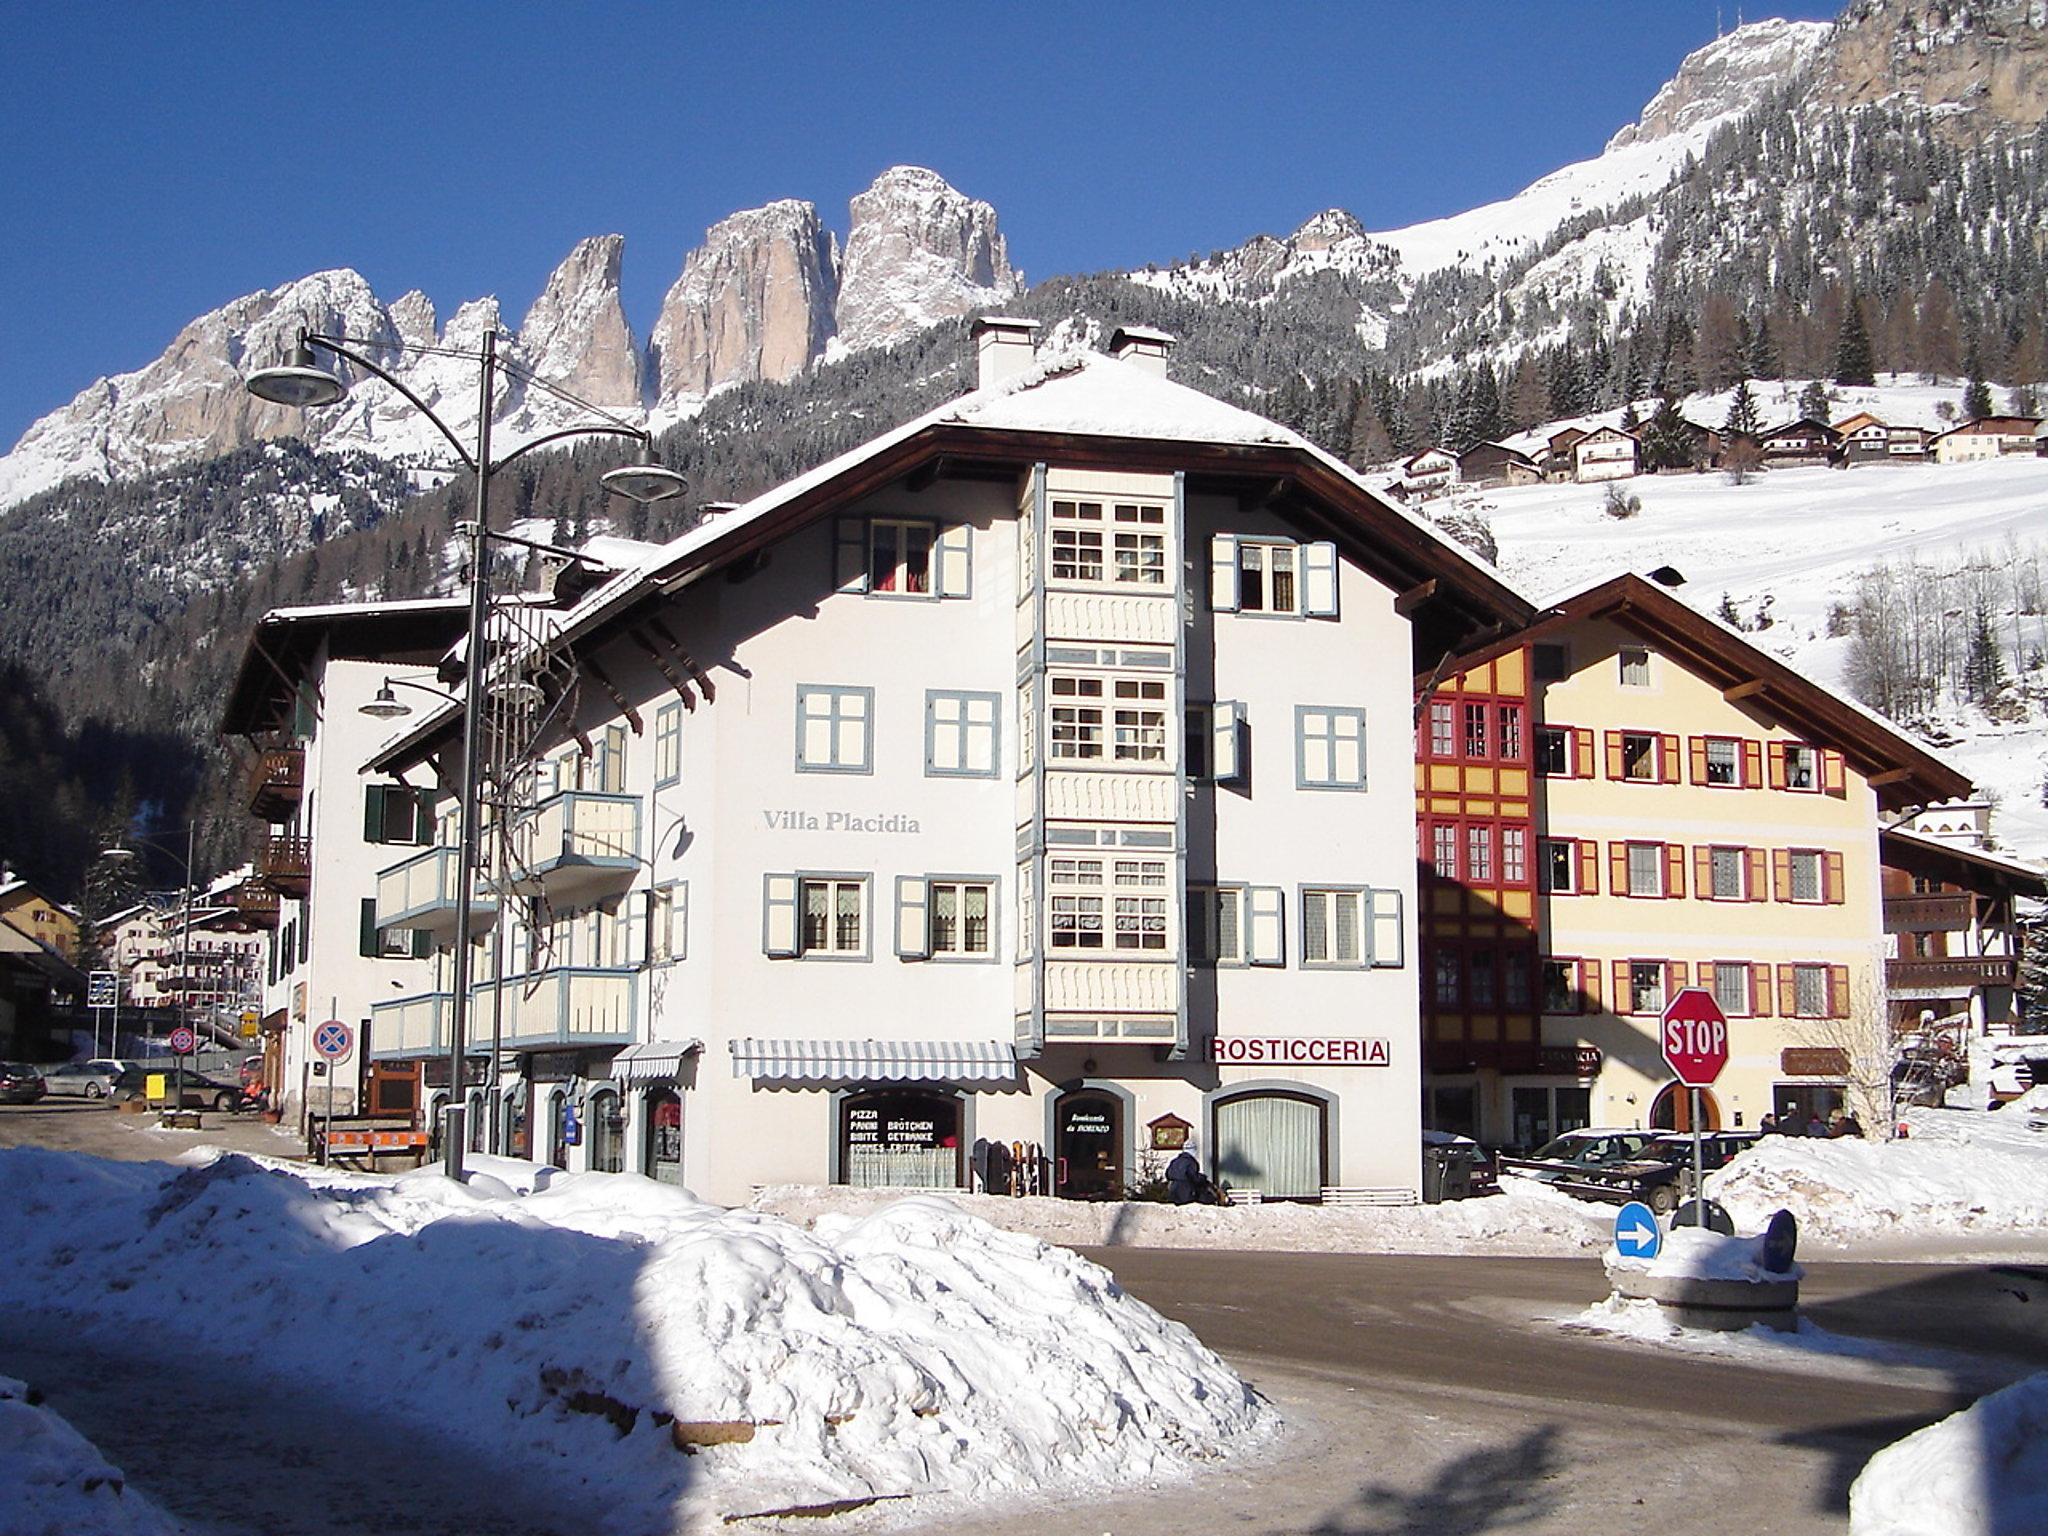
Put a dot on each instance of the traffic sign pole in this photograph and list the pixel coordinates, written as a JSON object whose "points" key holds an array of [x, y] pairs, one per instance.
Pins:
{"points": [[1694, 1037], [1699, 1174]]}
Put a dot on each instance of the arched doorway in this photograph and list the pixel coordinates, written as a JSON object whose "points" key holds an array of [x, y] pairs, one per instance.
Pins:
{"points": [[1274, 1142], [479, 1123], [663, 1153], [1672, 1110], [1088, 1145], [558, 1127], [518, 1129], [607, 1132], [900, 1138]]}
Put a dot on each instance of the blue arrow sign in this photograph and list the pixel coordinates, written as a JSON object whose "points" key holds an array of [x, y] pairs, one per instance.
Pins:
{"points": [[1636, 1233]]}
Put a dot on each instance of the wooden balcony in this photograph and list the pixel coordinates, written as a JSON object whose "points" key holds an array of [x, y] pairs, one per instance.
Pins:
{"points": [[1948, 975], [285, 864], [256, 905], [277, 781], [1928, 914]]}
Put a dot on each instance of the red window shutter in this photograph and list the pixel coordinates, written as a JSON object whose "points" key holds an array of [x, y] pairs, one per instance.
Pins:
{"points": [[1674, 870], [1703, 872], [1617, 869], [1760, 990], [1788, 993], [1759, 883], [1589, 865], [1781, 874], [1582, 752], [1617, 768], [1667, 760], [1834, 775], [1838, 991], [1696, 753], [1777, 756], [1589, 985], [1833, 887], [1752, 765]]}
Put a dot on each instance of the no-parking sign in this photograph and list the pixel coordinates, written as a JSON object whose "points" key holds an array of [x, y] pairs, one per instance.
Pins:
{"points": [[333, 1039]]}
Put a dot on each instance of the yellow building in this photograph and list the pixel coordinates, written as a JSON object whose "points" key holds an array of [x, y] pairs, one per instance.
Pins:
{"points": [[46, 921], [1701, 815]]}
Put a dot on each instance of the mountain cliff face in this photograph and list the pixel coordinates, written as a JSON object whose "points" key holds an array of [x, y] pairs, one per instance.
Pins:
{"points": [[1728, 76], [918, 253], [1981, 64]]}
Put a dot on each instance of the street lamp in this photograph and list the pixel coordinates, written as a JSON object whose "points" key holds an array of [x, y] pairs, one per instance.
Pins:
{"points": [[121, 854], [302, 383]]}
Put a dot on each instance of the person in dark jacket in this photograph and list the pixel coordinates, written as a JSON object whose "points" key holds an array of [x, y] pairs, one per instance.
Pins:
{"points": [[1186, 1184]]}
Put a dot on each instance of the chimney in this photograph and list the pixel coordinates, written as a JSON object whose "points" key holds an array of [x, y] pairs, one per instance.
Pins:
{"points": [[1143, 346], [1003, 348]]}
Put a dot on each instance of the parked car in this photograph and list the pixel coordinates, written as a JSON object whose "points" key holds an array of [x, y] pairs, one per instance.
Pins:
{"points": [[85, 1079], [1660, 1175], [1575, 1151], [200, 1092], [20, 1083]]}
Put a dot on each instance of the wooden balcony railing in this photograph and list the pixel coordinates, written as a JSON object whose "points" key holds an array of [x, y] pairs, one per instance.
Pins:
{"points": [[285, 864], [1928, 914], [277, 780], [1959, 972], [257, 905]]}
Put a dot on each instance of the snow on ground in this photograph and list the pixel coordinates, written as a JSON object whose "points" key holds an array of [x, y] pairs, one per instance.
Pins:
{"points": [[1696, 1253], [1958, 1172], [1980, 1472], [1525, 1220], [587, 1326], [57, 1483]]}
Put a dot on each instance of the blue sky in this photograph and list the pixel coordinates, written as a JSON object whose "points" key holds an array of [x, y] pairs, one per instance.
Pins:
{"points": [[164, 158]]}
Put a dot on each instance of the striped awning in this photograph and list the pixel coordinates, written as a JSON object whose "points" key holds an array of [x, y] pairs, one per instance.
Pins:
{"points": [[652, 1059], [894, 1061]]}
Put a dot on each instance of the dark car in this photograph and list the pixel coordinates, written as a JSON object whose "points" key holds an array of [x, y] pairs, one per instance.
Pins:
{"points": [[1660, 1175], [20, 1083], [200, 1091], [1574, 1152]]}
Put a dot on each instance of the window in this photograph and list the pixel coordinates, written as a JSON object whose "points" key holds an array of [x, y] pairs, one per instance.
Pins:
{"points": [[1475, 730], [1076, 719], [1725, 873], [1550, 663], [1216, 924], [1077, 541], [611, 761], [1140, 906], [1141, 720], [1027, 727], [1645, 986], [1215, 742], [900, 557], [668, 744], [1646, 869], [1480, 991], [1332, 922], [1514, 855], [1442, 743], [1479, 853], [1810, 991], [1805, 877], [1561, 866], [1635, 666], [1076, 918], [1329, 747], [1140, 540], [388, 943], [960, 734], [834, 729], [1561, 993], [1446, 978], [959, 918], [1639, 756], [394, 813], [1509, 718], [1554, 751], [1444, 850], [1724, 761], [1731, 986], [834, 917], [1266, 578], [668, 910]]}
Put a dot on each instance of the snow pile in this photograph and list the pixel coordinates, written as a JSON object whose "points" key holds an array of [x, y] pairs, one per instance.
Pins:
{"points": [[57, 1484], [1959, 1171], [1526, 1220], [1695, 1253], [687, 1361], [1980, 1472]]}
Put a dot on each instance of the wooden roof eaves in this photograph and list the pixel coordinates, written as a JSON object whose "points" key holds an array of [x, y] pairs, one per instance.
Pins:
{"points": [[1900, 849]]}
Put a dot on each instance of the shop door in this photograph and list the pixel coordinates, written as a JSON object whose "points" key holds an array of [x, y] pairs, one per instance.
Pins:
{"points": [[1088, 1147], [664, 1162], [1673, 1110], [607, 1133], [558, 1128], [519, 1122], [1271, 1142]]}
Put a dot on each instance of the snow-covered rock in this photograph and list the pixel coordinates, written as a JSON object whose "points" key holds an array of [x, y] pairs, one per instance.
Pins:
{"points": [[1980, 1472], [918, 252]]}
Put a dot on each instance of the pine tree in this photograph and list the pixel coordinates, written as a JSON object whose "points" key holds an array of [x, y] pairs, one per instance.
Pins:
{"points": [[1984, 668], [1763, 349], [1853, 363], [1666, 442], [1742, 413], [1976, 398], [1813, 401]]}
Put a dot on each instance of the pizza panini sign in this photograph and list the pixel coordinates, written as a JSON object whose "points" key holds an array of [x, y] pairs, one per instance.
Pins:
{"points": [[1315, 1051]]}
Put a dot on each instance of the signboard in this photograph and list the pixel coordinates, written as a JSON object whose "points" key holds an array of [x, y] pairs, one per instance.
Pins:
{"points": [[333, 1039], [1636, 1233], [183, 1041], [250, 1027], [1322, 1051], [153, 1087], [1813, 1061], [1694, 1037], [1169, 1133], [103, 990]]}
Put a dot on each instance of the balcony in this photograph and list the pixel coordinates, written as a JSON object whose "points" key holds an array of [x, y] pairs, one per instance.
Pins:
{"points": [[1928, 914], [285, 864], [410, 1027], [420, 893], [577, 846], [277, 780], [1948, 975], [560, 1009], [256, 905]]}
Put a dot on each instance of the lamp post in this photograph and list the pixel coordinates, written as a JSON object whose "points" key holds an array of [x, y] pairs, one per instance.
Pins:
{"points": [[121, 854], [302, 383]]}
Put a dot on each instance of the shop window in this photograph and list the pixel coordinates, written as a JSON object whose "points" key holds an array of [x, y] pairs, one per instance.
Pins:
{"points": [[607, 1133], [900, 1140], [834, 729], [1274, 1143], [662, 1152]]}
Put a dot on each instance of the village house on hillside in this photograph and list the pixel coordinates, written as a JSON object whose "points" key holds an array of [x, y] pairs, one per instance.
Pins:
{"points": [[1496, 464], [1431, 472], [1606, 453], [1987, 437], [1805, 441]]}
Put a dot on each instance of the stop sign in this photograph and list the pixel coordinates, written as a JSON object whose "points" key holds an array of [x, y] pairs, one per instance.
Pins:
{"points": [[1695, 1037]]}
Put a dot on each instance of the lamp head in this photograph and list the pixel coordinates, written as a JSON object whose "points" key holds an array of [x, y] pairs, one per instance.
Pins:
{"points": [[644, 481], [118, 855], [301, 382], [386, 705]]}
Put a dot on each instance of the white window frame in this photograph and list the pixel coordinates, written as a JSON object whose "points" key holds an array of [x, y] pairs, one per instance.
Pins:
{"points": [[1803, 974], [1077, 718], [1137, 554], [1140, 708], [1332, 724], [903, 532], [836, 721], [1656, 758], [1663, 986], [1633, 658], [1320, 927], [1818, 860], [1656, 855], [1550, 847], [1812, 758], [918, 932], [1733, 745], [1258, 567], [1741, 858], [835, 886], [1078, 541], [1564, 734], [1736, 972]]}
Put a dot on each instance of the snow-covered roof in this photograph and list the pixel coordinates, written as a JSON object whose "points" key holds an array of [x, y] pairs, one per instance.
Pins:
{"points": [[2026, 878]]}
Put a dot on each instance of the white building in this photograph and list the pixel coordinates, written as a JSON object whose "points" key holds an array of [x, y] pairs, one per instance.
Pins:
{"points": [[1037, 777]]}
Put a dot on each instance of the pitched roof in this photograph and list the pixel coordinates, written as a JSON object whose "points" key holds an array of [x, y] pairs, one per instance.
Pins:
{"points": [[1974, 869], [1857, 422], [1901, 770]]}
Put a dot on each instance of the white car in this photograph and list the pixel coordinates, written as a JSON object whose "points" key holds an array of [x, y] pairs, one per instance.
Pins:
{"points": [[85, 1079]]}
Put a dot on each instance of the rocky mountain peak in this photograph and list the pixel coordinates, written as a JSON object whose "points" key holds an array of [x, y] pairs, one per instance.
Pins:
{"points": [[1331, 227], [576, 334], [918, 252], [1730, 75], [412, 316], [754, 301]]}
